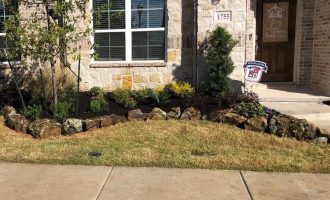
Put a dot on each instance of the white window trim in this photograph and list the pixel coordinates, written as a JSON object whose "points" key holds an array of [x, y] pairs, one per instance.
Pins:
{"points": [[128, 37]]}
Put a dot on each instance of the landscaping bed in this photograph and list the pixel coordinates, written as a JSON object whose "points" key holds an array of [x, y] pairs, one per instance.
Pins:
{"points": [[177, 101]]}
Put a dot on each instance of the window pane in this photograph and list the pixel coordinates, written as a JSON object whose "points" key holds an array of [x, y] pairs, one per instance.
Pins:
{"points": [[117, 20], [148, 45], [139, 19], [111, 14], [110, 46], [156, 18], [148, 13], [10, 47], [139, 4]]}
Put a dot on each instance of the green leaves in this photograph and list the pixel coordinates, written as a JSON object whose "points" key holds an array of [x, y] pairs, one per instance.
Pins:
{"points": [[220, 64]]}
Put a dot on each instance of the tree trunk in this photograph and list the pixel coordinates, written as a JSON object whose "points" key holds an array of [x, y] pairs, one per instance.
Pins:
{"points": [[53, 69]]}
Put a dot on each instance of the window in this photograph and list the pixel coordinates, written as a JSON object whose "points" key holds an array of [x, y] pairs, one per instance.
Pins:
{"points": [[7, 9], [131, 30]]}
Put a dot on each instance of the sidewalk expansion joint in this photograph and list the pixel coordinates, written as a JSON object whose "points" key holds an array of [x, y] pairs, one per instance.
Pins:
{"points": [[246, 185], [106, 180]]}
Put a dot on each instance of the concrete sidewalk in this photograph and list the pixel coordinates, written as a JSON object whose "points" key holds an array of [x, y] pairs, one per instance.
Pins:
{"points": [[45, 182]]}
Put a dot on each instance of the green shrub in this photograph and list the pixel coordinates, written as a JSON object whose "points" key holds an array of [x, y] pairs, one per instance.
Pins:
{"points": [[182, 89], [139, 95], [250, 109], [124, 97], [32, 112], [230, 99], [97, 91], [62, 110], [218, 49], [98, 104], [160, 95], [98, 101], [66, 104]]}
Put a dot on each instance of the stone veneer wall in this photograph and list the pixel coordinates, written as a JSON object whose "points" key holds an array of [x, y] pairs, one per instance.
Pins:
{"points": [[177, 66], [321, 52], [242, 27]]}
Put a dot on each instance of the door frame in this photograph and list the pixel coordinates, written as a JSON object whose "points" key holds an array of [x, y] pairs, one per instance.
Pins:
{"points": [[295, 32]]}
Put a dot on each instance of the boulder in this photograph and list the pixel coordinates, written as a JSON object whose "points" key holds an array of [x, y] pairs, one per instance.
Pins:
{"points": [[118, 119], [302, 130], [17, 122], [136, 114], [288, 126], [279, 126], [174, 113], [91, 124], [72, 126], [258, 124], [234, 119], [44, 128], [322, 133], [217, 116], [157, 114], [8, 110], [320, 140], [191, 114], [106, 121]]}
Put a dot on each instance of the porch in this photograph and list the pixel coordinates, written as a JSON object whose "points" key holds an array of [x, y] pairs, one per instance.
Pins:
{"points": [[300, 102]]}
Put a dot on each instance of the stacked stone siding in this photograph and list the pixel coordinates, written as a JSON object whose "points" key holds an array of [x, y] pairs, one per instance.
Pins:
{"points": [[321, 54], [178, 64], [241, 26]]}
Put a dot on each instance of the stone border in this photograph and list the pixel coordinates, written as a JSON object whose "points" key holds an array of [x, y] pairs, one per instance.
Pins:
{"points": [[273, 123]]}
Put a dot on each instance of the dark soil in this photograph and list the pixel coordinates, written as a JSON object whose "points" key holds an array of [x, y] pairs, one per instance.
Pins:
{"points": [[204, 104]]}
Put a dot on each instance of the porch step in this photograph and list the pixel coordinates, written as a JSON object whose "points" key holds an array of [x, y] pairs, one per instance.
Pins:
{"points": [[270, 85], [314, 112], [287, 92]]}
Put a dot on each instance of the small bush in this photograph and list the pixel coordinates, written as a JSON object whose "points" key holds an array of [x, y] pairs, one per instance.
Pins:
{"points": [[97, 91], [218, 49], [66, 104], [62, 110], [139, 95], [183, 89], [98, 101], [98, 104], [248, 97], [124, 97], [160, 95], [32, 112], [250, 109], [230, 99]]}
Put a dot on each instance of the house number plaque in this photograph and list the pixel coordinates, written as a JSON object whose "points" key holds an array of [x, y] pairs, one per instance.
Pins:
{"points": [[222, 16]]}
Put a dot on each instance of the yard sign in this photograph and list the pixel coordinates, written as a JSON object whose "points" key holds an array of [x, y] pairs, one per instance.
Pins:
{"points": [[254, 70]]}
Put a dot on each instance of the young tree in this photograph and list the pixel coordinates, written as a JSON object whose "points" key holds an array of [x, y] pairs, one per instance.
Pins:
{"points": [[49, 34], [218, 49]]}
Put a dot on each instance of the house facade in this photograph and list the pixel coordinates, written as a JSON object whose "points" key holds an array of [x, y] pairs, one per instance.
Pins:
{"points": [[149, 43]]}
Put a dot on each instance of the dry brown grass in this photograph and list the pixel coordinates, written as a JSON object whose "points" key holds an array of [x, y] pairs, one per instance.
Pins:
{"points": [[178, 144]]}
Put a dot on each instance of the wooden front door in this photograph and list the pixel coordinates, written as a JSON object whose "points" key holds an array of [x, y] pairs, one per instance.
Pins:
{"points": [[276, 21]]}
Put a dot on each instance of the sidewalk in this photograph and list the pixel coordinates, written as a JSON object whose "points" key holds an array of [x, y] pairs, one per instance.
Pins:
{"points": [[31, 182]]}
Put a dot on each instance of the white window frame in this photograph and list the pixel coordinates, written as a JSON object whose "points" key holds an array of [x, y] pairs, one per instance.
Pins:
{"points": [[128, 36], [4, 34]]}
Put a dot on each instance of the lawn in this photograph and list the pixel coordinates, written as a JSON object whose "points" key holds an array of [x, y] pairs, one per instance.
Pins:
{"points": [[179, 144]]}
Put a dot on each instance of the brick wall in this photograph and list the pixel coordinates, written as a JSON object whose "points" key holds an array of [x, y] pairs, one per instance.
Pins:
{"points": [[320, 80]]}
